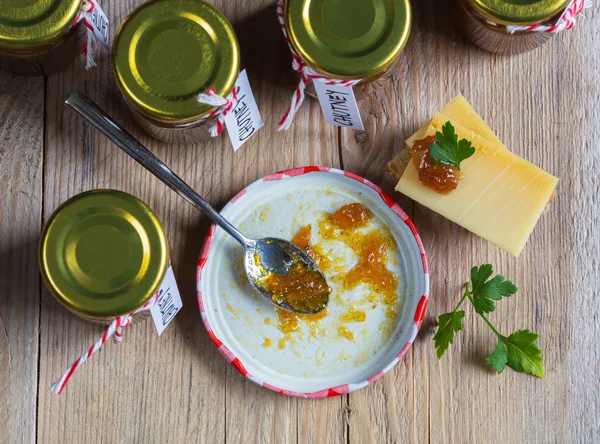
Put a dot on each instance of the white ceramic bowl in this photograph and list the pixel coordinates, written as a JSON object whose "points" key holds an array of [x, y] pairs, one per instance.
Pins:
{"points": [[320, 364]]}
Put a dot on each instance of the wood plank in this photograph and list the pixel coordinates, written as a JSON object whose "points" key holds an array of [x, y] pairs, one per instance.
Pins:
{"points": [[453, 394], [581, 135], [148, 389], [185, 390], [21, 153], [254, 414]]}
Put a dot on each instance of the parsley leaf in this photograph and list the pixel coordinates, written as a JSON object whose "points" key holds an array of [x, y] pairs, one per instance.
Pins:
{"points": [[447, 149], [519, 350], [449, 323], [485, 293], [523, 353], [498, 358]]}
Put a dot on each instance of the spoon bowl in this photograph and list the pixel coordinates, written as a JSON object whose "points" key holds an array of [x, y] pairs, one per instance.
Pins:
{"points": [[280, 271], [270, 256]]}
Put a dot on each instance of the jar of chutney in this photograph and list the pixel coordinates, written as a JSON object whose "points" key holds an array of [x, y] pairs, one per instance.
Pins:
{"points": [[103, 254], [40, 37], [167, 53], [350, 42], [487, 23]]}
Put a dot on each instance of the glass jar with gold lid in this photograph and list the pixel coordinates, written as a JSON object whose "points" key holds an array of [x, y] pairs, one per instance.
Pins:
{"points": [[487, 22], [165, 54], [39, 37], [350, 39], [103, 254]]}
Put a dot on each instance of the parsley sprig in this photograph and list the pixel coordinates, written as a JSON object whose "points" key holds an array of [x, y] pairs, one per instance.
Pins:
{"points": [[519, 350], [447, 149]]}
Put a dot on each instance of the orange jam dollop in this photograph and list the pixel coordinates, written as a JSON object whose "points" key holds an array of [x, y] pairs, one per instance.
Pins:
{"points": [[302, 240], [351, 216], [437, 176], [303, 289], [372, 249], [289, 323], [372, 268]]}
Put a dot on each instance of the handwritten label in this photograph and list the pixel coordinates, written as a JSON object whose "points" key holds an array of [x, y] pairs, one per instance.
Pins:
{"points": [[244, 120], [339, 105], [168, 304], [99, 24]]}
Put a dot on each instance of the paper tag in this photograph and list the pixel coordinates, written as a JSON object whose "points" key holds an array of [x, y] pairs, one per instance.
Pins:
{"points": [[339, 105], [99, 23], [168, 304], [244, 120]]}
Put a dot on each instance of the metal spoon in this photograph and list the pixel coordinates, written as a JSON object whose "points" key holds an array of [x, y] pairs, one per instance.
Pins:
{"points": [[262, 258]]}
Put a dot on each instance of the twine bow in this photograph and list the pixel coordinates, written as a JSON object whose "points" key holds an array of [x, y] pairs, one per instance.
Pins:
{"points": [[565, 21], [223, 105], [92, 43], [114, 329], [306, 74]]}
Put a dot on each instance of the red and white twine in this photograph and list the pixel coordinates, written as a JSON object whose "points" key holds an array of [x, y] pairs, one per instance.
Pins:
{"points": [[565, 21], [306, 74], [223, 105], [92, 43], [114, 329]]}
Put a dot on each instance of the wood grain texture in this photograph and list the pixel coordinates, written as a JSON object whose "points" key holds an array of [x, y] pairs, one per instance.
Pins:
{"points": [[541, 117], [545, 105], [21, 150]]}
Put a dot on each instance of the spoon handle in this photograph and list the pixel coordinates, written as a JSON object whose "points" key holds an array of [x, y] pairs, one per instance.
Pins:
{"points": [[93, 114]]}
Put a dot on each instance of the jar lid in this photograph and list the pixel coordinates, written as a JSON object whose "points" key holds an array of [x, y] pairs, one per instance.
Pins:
{"points": [[349, 39], [103, 253], [169, 51], [522, 12], [29, 24]]}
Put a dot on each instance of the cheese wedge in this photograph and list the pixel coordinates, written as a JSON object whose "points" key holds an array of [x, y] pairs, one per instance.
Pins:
{"points": [[501, 196], [461, 112]]}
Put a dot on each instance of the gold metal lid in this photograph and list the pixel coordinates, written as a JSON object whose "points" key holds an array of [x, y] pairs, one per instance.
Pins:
{"points": [[169, 51], [521, 12], [348, 39], [103, 253], [32, 24]]}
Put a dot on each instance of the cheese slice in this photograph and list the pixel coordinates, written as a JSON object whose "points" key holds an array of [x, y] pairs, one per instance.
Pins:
{"points": [[501, 196], [461, 112]]}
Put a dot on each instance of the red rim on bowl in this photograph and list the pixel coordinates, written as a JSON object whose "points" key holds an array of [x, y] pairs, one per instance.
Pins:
{"points": [[418, 307]]}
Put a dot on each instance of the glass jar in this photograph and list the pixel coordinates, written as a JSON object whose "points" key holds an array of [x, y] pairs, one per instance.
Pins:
{"points": [[164, 55], [39, 37], [350, 39], [103, 254], [485, 22]]}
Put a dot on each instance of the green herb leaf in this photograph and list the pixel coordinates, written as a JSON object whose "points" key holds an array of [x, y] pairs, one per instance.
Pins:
{"points": [[523, 353], [486, 292], [449, 324], [519, 351], [447, 149], [498, 357]]}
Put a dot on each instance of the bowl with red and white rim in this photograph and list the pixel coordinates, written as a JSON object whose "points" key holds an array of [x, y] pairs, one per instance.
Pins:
{"points": [[314, 361]]}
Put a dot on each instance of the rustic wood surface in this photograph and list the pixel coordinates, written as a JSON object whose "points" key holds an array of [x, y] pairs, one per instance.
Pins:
{"points": [[544, 104]]}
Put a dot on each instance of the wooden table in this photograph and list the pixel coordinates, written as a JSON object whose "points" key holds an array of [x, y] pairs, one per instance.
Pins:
{"points": [[544, 104]]}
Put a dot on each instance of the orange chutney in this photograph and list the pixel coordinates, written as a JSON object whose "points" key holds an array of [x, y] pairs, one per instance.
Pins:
{"points": [[303, 289], [302, 240], [351, 216], [437, 176], [372, 250]]}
